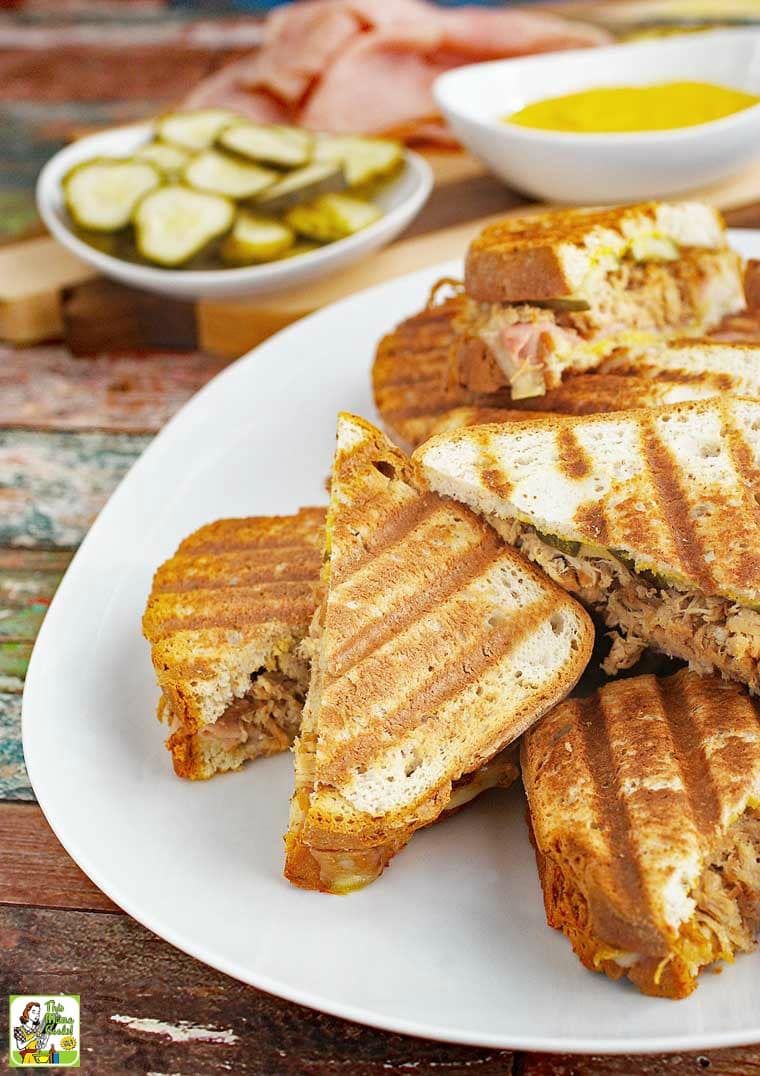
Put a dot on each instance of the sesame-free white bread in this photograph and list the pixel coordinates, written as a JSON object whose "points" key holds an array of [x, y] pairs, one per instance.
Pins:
{"points": [[672, 488], [708, 366]]}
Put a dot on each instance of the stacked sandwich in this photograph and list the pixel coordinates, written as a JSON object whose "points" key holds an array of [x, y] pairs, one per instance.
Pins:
{"points": [[573, 312], [424, 638]]}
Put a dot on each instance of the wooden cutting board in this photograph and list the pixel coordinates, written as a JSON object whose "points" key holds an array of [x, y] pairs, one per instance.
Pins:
{"points": [[45, 292]]}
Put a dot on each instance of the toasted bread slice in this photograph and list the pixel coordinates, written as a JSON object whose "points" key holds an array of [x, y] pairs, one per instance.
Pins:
{"points": [[558, 254], [650, 517], [436, 646], [645, 813], [713, 366], [225, 619]]}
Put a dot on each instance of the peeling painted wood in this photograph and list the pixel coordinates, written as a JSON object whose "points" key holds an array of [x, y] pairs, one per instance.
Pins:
{"points": [[14, 661], [34, 868], [149, 1008], [45, 388], [14, 782], [52, 485]]}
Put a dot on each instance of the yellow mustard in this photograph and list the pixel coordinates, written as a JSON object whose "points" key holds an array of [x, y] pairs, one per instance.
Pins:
{"points": [[661, 107]]}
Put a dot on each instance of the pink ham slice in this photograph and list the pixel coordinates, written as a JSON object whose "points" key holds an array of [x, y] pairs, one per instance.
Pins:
{"points": [[301, 42], [381, 82], [490, 34], [369, 65], [224, 89]]}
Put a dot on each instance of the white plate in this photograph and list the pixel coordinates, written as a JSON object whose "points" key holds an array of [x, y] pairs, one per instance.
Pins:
{"points": [[451, 942], [400, 201], [603, 168]]}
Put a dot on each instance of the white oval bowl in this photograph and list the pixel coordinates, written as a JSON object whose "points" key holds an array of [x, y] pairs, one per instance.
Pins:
{"points": [[400, 201], [603, 168]]}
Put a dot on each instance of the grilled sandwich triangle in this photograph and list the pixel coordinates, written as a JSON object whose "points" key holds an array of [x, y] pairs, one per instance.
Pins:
{"points": [[650, 517], [435, 647]]}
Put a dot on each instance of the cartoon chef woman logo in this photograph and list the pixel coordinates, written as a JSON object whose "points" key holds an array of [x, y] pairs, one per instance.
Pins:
{"points": [[31, 1037], [37, 1024]]}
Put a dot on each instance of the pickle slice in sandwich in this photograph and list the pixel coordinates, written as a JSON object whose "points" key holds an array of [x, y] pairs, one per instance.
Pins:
{"points": [[362, 159], [101, 194], [256, 238], [286, 147], [332, 217], [219, 173], [174, 223], [302, 185], [168, 159], [194, 131]]}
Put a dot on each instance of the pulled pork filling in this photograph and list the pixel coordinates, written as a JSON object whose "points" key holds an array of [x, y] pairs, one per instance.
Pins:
{"points": [[727, 915], [726, 919], [267, 717], [710, 632]]}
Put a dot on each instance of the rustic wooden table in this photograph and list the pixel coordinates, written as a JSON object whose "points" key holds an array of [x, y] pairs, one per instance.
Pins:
{"points": [[69, 429]]}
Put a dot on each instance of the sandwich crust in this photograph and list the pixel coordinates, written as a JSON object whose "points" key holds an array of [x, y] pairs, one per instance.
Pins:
{"points": [[547, 255], [643, 805], [225, 619], [427, 617]]}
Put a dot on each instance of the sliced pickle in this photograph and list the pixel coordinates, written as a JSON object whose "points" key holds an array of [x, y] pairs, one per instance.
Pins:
{"points": [[561, 304], [169, 160], [220, 173], [564, 545], [332, 217], [194, 131], [362, 159], [256, 238], [174, 223], [101, 194], [286, 147], [655, 579], [302, 185]]}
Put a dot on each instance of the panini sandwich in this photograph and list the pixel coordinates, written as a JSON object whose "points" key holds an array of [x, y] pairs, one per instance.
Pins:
{"points": [[649, 517], [435, 647], [225, 619], [558, 292], [645, 814], [414, 394]]}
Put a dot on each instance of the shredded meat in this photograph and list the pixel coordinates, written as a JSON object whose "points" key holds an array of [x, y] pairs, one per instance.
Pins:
{"points": [[710, 632], [728, 895], [267, 715]]}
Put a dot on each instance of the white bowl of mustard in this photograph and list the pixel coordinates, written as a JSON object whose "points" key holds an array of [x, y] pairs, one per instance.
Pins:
{"points": [[694, 150]]}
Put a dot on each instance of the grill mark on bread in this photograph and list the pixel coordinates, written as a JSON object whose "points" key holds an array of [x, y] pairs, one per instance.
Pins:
{"points": [[748, 475], [465, 667], [187, 573], [674, 506], [593, 725], [493, 476], [374, 635], [237, 619], [676, 708], [591, 515], [392, 531], [572, 457]]}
